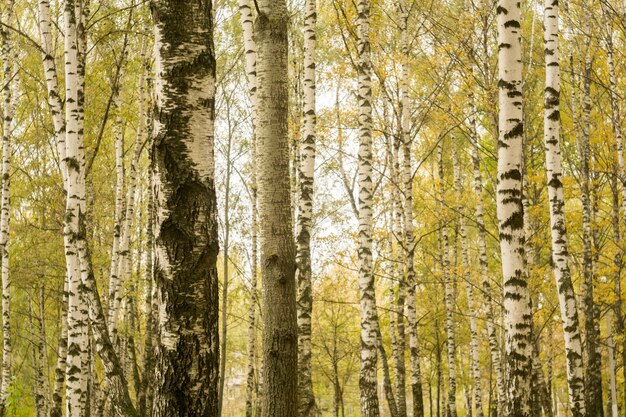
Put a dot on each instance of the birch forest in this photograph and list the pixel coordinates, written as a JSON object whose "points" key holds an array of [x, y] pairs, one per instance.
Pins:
{"points": [[312, 208]]}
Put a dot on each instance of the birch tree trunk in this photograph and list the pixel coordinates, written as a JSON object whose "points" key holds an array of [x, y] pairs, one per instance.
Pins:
{"points": [[37, 366], [517, 318], [407, 283], [494, 343], [42, 351], [7, 131], [466, 273], [118, 219], [280, 353], [247, 21], [306, 398], [591, 347], [560, 253], [409, 245], [449, 295], [611, 359], [187, 348], [56, 109], [387, 386], [76, 372], [145, 397], [226, 260], [123, 269], [594, 368], [56, 409], [369, 316]]}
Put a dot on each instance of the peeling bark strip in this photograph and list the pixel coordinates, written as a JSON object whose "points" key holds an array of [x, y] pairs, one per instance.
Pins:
{"points": [[560, 254], [369, 316], [280, 345], [306, 398], [8, 114], [517, 318], [186, 241]]}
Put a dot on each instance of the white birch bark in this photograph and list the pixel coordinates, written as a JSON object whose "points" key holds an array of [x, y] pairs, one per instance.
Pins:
{"points": [[449, 294], [594, 368], [124, 269], [83, 296], [8, 115], [494, 343], [186, 240], [560, 254], [246, 19], [516, 298], [611, 354], [409, 234], [43, 351], [55, 102], [474, 363], [37, 370], [118, 219], [306, 398], [369, 316], [56, 408], [55, 105], [76, 374]]}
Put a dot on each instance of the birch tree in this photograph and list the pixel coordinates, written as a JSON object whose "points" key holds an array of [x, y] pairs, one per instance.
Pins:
{"points": [[276, 233], [560, 254], [369, 316], [446, 254], [510, 214], [186, 241], [407, 211], [8, 114], [306, 398], [247, 21]]}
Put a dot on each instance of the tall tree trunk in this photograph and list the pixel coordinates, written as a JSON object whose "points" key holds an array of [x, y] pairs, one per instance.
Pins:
{"points": [[367, 293], [494, 344], [145, 396], [409, 235], [118, 131], [306, 398], [7, 131], [42, 350], [405, 213], [387, 386], [56, 409], [594, 374], [76, 372], [611, 354], [449, 294], [36, 364], [560, 253], [124, 266], [186, 241], [517, 317], [466, 273], [280, 361], [114, 278], [225, 273], [247, 20]]}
